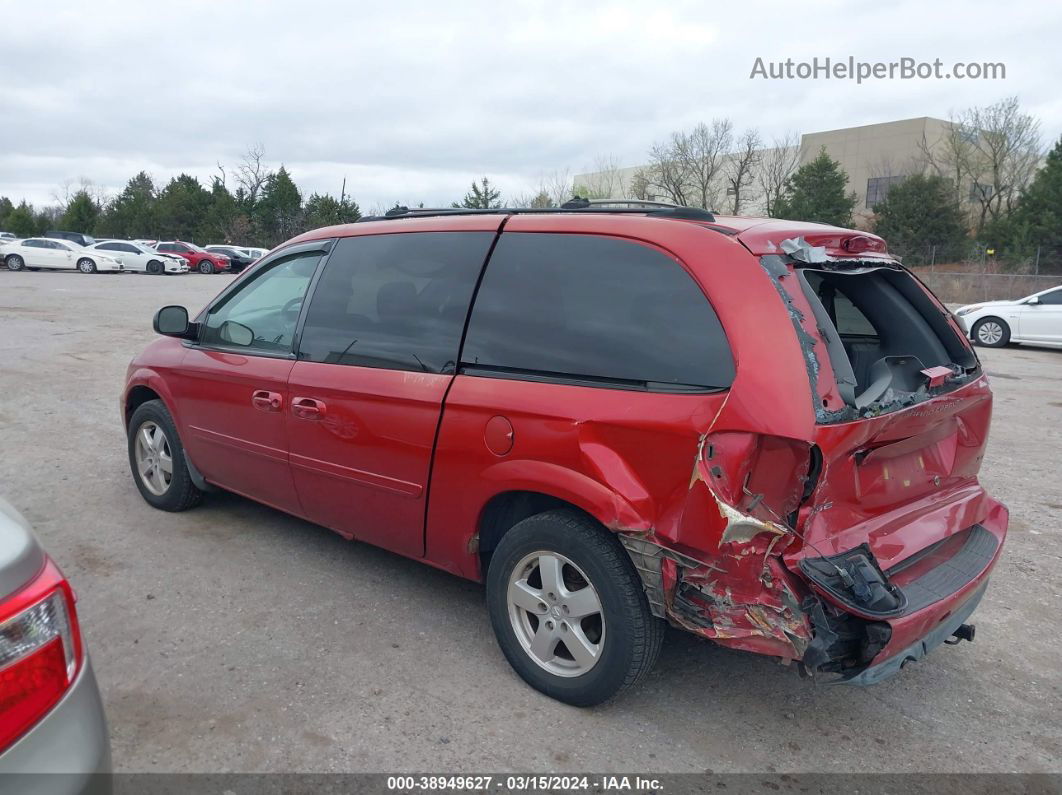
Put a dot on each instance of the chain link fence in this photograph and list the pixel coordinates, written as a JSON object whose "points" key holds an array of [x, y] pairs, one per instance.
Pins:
{"points": [[972, 272]]}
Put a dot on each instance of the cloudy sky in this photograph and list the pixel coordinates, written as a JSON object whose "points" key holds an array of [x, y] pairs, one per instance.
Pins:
{"points": [[410, 101]]}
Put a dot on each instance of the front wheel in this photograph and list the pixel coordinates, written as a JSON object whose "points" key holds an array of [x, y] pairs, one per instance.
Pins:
{"points": [[991, 332], [156, 457], [206, 266], [86, 265], [154, 267], [568, 609], [15, 262]]}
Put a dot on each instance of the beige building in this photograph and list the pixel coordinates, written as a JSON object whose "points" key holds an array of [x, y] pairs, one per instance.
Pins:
{"points": [[874, 156]]}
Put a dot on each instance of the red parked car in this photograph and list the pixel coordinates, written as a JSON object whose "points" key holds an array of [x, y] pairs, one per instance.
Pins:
{"points": [[199, 259], [766, 433]]}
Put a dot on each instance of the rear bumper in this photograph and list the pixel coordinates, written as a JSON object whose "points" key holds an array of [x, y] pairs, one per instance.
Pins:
{"points": [[879, 672], [71, 744], [940, 593]]}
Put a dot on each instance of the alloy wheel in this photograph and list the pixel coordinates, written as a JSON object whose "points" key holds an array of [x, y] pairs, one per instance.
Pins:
{"points": [[990, 332], [154, 459], [556, 614]]}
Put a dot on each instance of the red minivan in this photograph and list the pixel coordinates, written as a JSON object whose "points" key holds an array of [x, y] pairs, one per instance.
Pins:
{"points": [[764, 432]]}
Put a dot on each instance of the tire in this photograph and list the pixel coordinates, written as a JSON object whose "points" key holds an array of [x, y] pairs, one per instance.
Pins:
{"points": [[15, 263], [85, 265], [991, 332], [205, 266], [179, 493], [627, 635], [154, 267]]}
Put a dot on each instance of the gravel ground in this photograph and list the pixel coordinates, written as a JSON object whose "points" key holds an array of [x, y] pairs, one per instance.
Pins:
{"points": [[237, 638]]}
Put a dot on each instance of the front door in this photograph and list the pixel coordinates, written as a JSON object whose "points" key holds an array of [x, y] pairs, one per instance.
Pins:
{"points": [[376, 357], [232, 385], [1042, 321]]}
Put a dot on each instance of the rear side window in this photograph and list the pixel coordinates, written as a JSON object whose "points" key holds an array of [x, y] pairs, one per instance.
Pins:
{"points": [[396, 301], [597, 308]]}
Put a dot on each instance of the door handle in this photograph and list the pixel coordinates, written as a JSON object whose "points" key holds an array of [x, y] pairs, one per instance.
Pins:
{"points": [[264, 400], [307, 408]]}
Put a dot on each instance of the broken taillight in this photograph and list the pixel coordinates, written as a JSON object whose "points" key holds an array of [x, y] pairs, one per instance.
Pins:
{"points": [[40, 652]]}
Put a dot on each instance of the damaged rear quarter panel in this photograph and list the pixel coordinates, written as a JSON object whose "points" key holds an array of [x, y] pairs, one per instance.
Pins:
{"points": [[706, 480]]}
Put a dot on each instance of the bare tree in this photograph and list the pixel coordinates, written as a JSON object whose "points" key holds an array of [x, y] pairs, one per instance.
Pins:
{"points": [[252, 173], [992, 152], [640, 185], [68, 189], [695, 161], [740, 168], [539, 200], [557, 185], [775, 167], [604, 182], [668, 173]]}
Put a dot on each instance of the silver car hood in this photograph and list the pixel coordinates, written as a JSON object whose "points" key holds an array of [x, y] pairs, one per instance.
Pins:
{"points": [[21, 556]]}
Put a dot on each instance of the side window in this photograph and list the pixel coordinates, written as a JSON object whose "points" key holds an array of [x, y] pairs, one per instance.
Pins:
{"points": [[1052, 298], [847, 318], [595, 307], [127, 248], [32, 243], [262, 314], [164, 247], [110, 247], [397, 301]]}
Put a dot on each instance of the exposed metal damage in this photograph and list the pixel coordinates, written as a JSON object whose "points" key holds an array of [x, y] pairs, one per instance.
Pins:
{"points": [[745, 598]]}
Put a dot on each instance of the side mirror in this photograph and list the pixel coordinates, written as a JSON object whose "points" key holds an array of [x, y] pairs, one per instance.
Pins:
{"points": [[172, 321], [1033, 300], [235, 333]]}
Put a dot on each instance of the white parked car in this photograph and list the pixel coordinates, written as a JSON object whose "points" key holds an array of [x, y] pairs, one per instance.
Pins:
{"points": [[256, 253], [1035, 319], [44, 252], [138, 258]]}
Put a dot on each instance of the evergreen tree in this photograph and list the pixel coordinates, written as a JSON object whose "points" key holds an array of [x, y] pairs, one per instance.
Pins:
{"points": [[483, 196], [222, 210], [278, 211], [1037, 220], [21, 221], [816, 193], [6, 207], [133, 213], [80, 214], [324, 210], [921, 212], [182, 205]]}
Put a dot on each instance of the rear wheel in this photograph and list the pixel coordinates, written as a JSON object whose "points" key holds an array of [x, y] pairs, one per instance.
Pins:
{"points": [[15, 262], [156, 458], [991, 332], [154, 267], [568, 609], [86, 265], [206, 266]]}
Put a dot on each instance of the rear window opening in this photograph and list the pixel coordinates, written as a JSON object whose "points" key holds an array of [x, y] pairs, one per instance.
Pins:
{"points": [[889, 344]]}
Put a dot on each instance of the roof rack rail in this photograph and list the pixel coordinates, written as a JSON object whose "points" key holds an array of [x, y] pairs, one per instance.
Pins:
{"points": [[576, 204], [636, 203]]}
